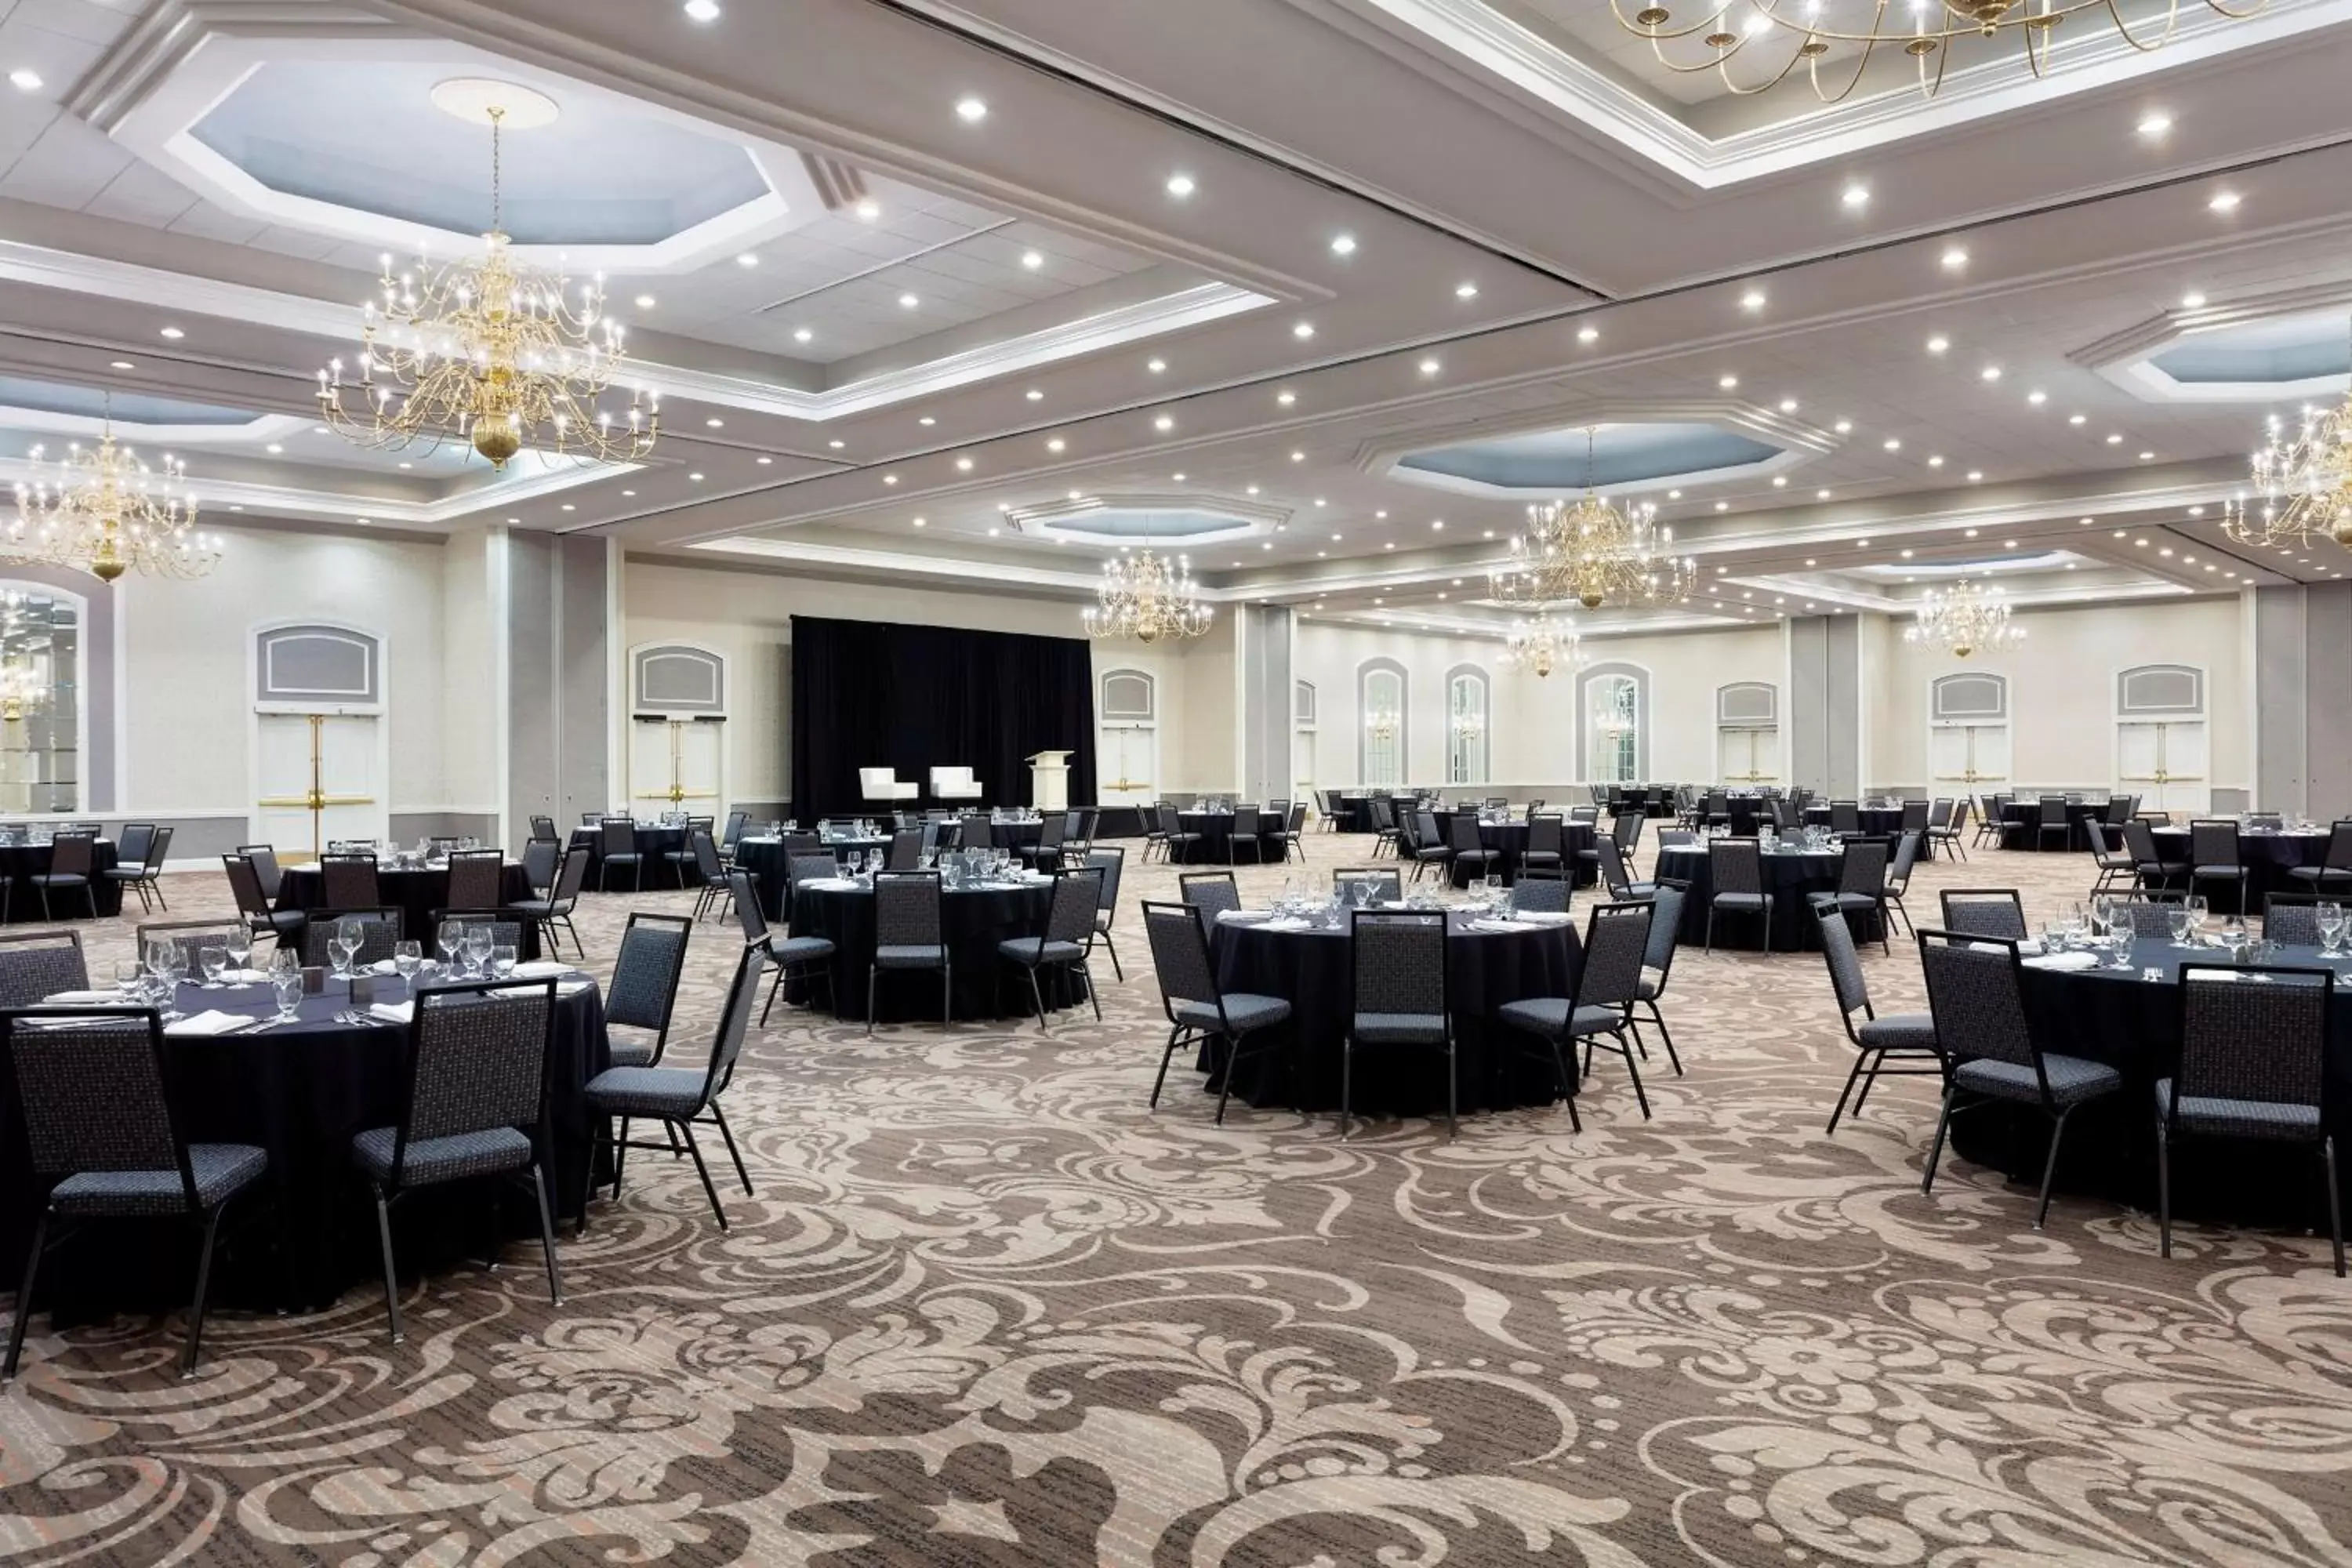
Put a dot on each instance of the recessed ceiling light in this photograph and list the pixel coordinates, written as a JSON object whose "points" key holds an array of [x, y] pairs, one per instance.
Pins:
{"points": [[886, 478], [970, 109], [926, 420], [174, 334], [697, 480], [1844, 427], [907, 301], [1156, 366], [2192, 301], [2077, 418], [1779, 481], [1034, 395], [1587, 334], [763, 461], [2152, 126], [1674, 495], [802, 334], [274, 448], [1465, 291], [644, 301], [2037, 397], [1727, 381], [567, 507], [1818, 495], [1907, 556], [1989, 373], [1178, 479], [1752, 301], [2147, 456], [1430, 367], [1723, 506], [1297, 457], [715, 423], [2223, 202], [963, 465], [1056, 444], [120, 365], [1303, 330], [1286, 398], [1976, 476], [1787, 405], [749, 258], [1250, 490], [918, 522], [1032, 259], [1164, 423], [836, 443], [1343, 245], [1937, 346], [2012, 544], [1181, 186], [1955, 259], [1856, 195], [2114, 440], [25, 80], [1892, 444], [1936, 461], [1320, 501], [868, 210], [702, 10]]}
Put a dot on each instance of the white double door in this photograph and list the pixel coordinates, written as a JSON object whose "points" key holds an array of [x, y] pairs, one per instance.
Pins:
{"points": [[1127, 763], [677, 764], [1748, 756], [2164, 762], [332, 762], [1967, 759]]}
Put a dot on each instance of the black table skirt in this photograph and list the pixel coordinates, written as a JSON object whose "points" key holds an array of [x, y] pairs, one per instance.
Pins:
{"points": [[20, 861], [1216, 829], [302, 1093], [2132, 1025], [1311, 970], [2020, 824], [2268, 858], [654, 864], [1790, 877], [985, 984], [415, 893], [1355, 814], [1876, 819], [1002, 834]]}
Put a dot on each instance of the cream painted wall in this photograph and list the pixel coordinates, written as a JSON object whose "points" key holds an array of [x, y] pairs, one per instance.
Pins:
{"points": [[186, 681], [2062, 690]]}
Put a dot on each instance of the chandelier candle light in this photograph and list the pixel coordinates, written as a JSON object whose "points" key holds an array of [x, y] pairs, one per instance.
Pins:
{"points": [[1592, 553], [1150, 598], [1785, 34], [1963, 619], [490, 351], [103, 510]]}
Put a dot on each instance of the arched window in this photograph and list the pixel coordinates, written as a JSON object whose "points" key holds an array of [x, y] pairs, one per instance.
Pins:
{"points": [[1380, 691], [1466, 725], [1612, 721]]}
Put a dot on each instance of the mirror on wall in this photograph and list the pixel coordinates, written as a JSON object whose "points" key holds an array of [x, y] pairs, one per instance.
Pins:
{"points": [[40, 701]]}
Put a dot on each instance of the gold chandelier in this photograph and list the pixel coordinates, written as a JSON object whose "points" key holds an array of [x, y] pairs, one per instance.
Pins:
{"points": [[23, 690], [1147, 597], [1790, 33], [103, 510], [1542, 645], [1963, 618], [2305, 483], [490, 351], [1592, 553]]}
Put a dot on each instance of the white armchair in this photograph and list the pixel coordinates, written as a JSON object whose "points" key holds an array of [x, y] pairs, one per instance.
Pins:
{"points": [[954, 784], [882, 787]]}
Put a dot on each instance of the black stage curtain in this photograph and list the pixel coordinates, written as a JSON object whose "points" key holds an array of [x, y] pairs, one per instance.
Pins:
{"points": [[870, 694]]}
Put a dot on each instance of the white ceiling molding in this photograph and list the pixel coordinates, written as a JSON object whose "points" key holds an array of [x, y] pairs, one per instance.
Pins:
{"points": [[1063, 520], [2127, 358], [1798, 441], [903, 564]]}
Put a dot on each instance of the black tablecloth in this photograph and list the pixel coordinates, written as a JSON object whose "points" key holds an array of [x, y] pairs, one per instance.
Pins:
{"points": [[1216, 829], [1789, 876], [18, 861], [973, 922], [1355, 814], [767, 862], [2267, 856], [1875, 819], [655, 868], [302, 1091], [2020, 824], [1312, 971], [415, 893], [1001, 835], [2134, 1024]]}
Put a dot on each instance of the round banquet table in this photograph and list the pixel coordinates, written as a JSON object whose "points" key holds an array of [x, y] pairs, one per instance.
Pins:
{"points": [[18, 861], [1311, 969], [2020, 824], [1218, 829], [654, 844], [1789, 876], [2268, 858], [2133, 1024], [416, 892], [1874, 819], [972, 921], [1355, 814], [1511, 839], [1002, 834], [768, 861], [302, 1091]]}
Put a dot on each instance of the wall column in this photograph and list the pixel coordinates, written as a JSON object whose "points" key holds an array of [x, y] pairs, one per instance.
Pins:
{"points": [[1268, 719], [556, 718], [1825, 720], [2302, 733]]}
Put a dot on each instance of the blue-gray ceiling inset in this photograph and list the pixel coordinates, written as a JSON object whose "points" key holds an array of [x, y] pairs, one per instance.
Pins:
{"points": [[130, 408], [1554, 461], [1169, 527], [2289, 350]]}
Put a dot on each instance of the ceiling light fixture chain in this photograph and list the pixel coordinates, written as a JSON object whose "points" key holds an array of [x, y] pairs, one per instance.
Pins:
{"points": [[490, 351], [105, 511], [1925, 30], [1964, 619]]}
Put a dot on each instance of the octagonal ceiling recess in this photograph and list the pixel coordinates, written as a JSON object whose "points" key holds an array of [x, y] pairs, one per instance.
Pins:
{"points": [[368, 137], [1622, 457], [20, 395], [2289, 352], [1173, 521]]}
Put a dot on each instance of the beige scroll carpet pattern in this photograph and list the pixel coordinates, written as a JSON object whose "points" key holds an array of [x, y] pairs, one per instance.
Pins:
{"points": [[988, 1309]]}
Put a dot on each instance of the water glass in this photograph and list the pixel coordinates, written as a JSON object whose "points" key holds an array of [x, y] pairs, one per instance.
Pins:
{"points": [[287, 985], [2181, 920], [502, 960], [127, 974], [2235, 938], [214, 962]]}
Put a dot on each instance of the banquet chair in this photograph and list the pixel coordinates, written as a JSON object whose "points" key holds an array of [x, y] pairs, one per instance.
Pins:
{"points": [[379, 932], [265, 865], [1845, 816], [1248, 828], [1676, 839], [1915, 814], [1046, 853], [478, 879], [131, 843], [2147, 861], [2110, 854], [881, 786], [444, 845], [1384, 825], [2251, 1066], [1626, 830], [1948, 838], [37, 964], [905, 849], [507, 928], [189, 937], [1198, 1012], [1862, 887], [349, 881], [590, 818], [909, 936], [1176, 840], [1738, 867], [1428, 847], [1398, 998], [616, 844], [1540, 891], [2335, 871], [1977, 997], [144, 874], [1065, 941], [955, 784], [805, 958], [2213, 856], [104, 1141], [252, 904], [738, 822], [1989, 820], [1208, 894], [1546, 843], [73, 860], [1112, 861], [1294, 827], [2149, 913], [2294, 918], [1614, 877], [1471, 857], [563, 897], [1155, 830], [1905, 1037], [541, 856], [643, 992], [1717, 809], [1907, 850], [1658, 967], [680, 1099], [1616, 940], [801, 843], [817, 866], [681, 859], [974, 832], [475, 1105], [2051, 817], [1388, 881], [711, 887], [543, 830], [1984, 911]]}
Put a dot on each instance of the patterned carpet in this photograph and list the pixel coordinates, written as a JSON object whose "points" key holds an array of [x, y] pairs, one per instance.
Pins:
{"points": [[988, 1309]]}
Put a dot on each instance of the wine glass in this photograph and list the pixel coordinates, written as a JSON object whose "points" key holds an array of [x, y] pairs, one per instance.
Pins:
{"points": [[407, 957], [448, 942], [2199, 908], [477, 947], [214, 962], [241, 949]]}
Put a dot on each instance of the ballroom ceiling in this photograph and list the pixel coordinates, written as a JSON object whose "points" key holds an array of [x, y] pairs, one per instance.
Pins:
{"points": [[977, 293]]}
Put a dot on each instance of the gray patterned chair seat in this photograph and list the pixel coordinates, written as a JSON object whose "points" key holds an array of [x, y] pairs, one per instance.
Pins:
{"points": [[222, 1170], [792, 950], [2319, 874], [910, 957], [2220, 870], [542, 907], [1547, 1016], [1398, 1028], [628, 1053], [1740, 900], [431, 1159], [1855, 901], [58, 879], [2240, 1117], [1242, 1011], [1905, 1032], [1023, 949], [1653, 980], [645, 1091], [2071, 1079]]}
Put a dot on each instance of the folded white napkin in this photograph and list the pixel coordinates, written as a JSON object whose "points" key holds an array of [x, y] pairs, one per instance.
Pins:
{"points": [[1244, 916], [574, 987], [1287, 922], [384, 966], [2064, 960], [209, 1023], [83, 998], [1544, 917], [245, 977], [2029, 947], [393, 1011], [832, 884], [541, 968], [1500, 925]]}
